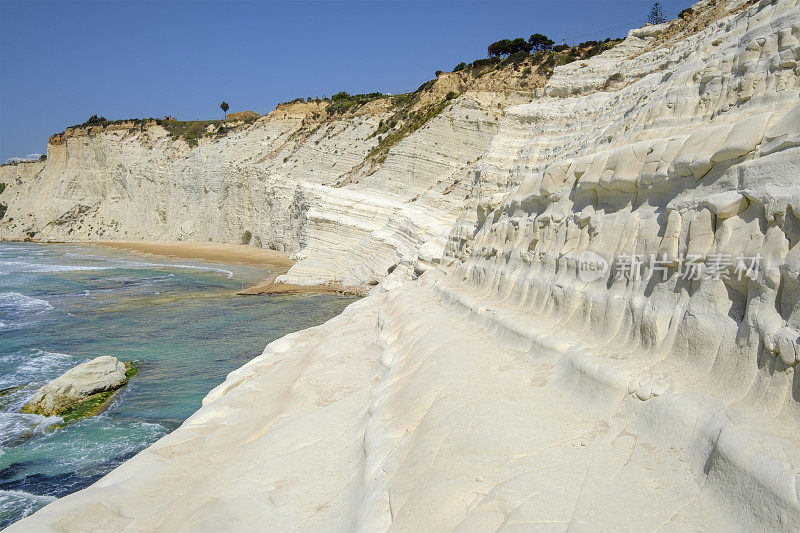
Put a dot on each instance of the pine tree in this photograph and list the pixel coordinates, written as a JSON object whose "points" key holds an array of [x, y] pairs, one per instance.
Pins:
{"points": [[656, 15]]}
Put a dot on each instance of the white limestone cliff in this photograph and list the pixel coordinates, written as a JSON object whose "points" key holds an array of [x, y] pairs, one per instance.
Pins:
{"points": [[296, 183], [484, 384]]}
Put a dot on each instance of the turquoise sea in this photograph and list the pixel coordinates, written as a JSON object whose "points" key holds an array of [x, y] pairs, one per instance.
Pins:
{"points": [[61, 305]]}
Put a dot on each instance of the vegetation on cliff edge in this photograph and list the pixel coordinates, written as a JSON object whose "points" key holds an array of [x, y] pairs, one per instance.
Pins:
{"points": [[190, 131], [537, 52]]}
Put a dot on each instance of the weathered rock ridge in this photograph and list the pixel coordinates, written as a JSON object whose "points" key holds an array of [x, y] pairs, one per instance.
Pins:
{"points": [[485, 383]]}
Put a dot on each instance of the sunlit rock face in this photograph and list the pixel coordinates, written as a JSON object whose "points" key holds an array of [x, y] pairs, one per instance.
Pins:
{"points": [[293, 181], [492, 379], [77, 385]]}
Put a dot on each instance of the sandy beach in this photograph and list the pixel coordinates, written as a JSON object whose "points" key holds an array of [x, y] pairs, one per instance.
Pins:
{"points": [[277, 262]]}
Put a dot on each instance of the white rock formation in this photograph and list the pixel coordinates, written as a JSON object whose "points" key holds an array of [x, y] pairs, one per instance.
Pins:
{"points": [[296, 184], [76, 385], [490, 387]]}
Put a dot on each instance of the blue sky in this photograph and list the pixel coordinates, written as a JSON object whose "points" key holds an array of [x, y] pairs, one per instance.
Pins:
{"points": [[62, 61]]}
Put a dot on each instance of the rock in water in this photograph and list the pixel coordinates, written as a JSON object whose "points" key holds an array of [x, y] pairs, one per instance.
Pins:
{"points": [[94, 381]]}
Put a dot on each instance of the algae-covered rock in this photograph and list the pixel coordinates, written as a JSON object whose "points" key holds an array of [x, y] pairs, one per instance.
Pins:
{"points": [[81, 391]]}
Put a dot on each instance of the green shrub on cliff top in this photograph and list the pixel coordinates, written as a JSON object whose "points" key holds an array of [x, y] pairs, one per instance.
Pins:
{"points": [[189, 130], [95, 120], [344, 101]]}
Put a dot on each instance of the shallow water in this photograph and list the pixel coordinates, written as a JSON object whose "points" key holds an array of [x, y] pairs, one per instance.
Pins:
{"points": [[61, 305]]}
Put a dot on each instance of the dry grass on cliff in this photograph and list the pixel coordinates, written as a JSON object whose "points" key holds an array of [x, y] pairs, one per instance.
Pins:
{"points": [[697, 18], [190, 131]]}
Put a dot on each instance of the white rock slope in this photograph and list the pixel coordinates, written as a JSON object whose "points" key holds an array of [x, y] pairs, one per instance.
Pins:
{"points": [[501, 389]]}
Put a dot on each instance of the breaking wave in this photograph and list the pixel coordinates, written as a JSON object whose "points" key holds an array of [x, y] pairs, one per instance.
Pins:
{"points": [[18, 310]]}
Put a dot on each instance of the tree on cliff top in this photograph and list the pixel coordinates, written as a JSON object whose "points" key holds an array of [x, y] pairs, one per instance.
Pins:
{"points": [[541, 42], [503, 47], [507, 46], [656, 15], [520, 45], [224, 106], [499, 48]]}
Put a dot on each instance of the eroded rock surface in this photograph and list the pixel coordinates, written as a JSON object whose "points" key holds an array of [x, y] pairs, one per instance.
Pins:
{"points": [[77, 385]]}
